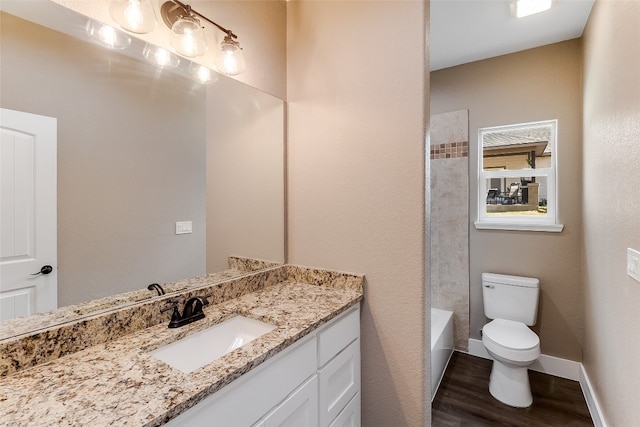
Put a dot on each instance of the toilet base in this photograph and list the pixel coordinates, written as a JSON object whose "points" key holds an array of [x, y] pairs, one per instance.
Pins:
{"points": [[510, 385]]}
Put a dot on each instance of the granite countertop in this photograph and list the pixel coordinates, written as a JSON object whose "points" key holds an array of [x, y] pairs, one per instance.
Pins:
{"points": [[119, 383]]}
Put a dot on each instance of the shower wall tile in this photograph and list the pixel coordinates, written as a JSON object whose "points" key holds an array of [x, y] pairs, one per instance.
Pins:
{"points": [[453, 173], [434, 255], [450, 219], [452, 236], [449, 204], [454, 268], [449, 127], [452, 296], [461, 324]]}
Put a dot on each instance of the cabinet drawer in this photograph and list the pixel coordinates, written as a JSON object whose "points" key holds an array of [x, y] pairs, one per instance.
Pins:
{"points": [[350, 416], [339, 382], [299, 410], [337, 336]]}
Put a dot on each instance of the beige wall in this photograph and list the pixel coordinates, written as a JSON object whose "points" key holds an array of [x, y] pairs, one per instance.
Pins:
{"points": [[537, 84], [356, 171], [245, 174], [121, 175], [611, 224]]}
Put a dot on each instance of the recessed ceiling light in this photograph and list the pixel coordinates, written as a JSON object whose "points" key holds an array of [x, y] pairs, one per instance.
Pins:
{"points": [[522, 8]]}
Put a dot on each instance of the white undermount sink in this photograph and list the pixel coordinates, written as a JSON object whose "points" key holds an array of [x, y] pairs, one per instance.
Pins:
{"points": [[199, 349]]}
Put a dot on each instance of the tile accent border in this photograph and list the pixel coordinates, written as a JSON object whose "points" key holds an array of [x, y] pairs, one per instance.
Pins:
{"points": [[450, 150]]}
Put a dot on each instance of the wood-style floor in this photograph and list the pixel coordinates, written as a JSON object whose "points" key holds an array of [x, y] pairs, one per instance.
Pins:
{"points": [[463, 399]]}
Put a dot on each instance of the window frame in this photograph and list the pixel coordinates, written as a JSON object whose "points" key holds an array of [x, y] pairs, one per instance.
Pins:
{"points": [[518, 222]]}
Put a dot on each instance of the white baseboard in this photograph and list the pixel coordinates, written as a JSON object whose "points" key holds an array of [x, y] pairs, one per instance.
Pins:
{"points": [[551, 365], [558, 367], [592, 403]]}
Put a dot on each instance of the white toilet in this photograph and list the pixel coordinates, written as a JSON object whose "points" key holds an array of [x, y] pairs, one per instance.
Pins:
{"points": [[512, 302]]}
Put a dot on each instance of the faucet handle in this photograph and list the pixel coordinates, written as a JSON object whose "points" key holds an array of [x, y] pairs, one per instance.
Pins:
{"points": [[175, 316]]}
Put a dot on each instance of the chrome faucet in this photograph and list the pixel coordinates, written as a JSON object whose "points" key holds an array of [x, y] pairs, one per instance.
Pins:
{"points": [[192, 311]]}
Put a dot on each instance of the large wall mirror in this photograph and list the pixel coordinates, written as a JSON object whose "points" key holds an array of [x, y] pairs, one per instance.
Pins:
{"points": [[140, 149]]}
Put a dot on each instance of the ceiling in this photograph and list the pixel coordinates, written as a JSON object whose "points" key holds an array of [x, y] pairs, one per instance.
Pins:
{"points": [[470, 30]]}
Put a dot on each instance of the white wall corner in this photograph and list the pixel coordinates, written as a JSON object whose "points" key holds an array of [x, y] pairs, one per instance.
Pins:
{"points": [[592, 402]]}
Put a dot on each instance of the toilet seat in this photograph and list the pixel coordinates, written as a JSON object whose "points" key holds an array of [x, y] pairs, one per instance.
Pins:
{"points": [[511, 340]]}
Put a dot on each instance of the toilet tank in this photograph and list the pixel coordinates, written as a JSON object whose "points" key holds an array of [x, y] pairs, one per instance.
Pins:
{"points": [[510, 297]]}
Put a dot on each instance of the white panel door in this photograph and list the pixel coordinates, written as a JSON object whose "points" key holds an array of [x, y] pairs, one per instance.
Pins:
{"points": [[28, 214]]}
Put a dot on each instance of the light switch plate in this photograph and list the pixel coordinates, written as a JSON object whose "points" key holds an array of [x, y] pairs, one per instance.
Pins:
{"points": [[184, 227], [633, 263]]}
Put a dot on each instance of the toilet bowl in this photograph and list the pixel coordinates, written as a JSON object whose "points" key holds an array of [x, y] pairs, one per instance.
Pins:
{"points": [[514, 347], [512, 302]]}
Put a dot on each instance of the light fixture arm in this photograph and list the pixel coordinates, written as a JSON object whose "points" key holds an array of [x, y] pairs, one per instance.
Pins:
{"points": [[189, 9]]}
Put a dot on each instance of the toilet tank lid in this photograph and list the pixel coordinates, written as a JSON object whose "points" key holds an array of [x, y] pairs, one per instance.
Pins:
{"points": [[504, 279]]}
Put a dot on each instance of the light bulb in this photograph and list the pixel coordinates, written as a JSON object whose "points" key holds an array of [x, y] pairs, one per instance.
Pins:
{"points": [[187, 37], [230, 59], [160, 57], [108, 36], [202, 73], [136, 16]]}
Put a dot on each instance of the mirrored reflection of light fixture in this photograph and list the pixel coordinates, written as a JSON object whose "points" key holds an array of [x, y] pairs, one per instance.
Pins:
{"points": [[230, 59], [160, 57], [187, 37], [107, 35], [136, 16], [522, 8], [202, 74]]}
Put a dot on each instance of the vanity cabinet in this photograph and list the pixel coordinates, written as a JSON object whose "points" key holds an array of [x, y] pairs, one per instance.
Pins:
{"points": [[314, 382]]}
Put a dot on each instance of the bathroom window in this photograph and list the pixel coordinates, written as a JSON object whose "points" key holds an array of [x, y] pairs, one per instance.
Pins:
{"points": [[517, 177]]}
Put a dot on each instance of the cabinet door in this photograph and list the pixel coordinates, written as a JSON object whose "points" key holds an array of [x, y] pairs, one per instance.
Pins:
{"points": [[339, 382], [350, 416], [254, 394], [299, 410]]}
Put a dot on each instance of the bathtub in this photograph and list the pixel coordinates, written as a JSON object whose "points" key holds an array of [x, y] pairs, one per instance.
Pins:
{"points": [[441, 345]]}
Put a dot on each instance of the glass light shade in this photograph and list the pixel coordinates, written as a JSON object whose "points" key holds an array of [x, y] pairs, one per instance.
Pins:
{"points": [[187, 37], [108, 36], [136, 16], [202, 74], [160, 57], [230, 59]]}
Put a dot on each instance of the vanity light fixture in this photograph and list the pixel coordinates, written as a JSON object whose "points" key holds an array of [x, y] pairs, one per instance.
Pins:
{"points": [[136, 16], [188, 37], [107, 35], [522, 8]]}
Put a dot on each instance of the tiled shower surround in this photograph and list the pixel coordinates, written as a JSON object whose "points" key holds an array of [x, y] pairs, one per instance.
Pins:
{"points": [[450, 219]]}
